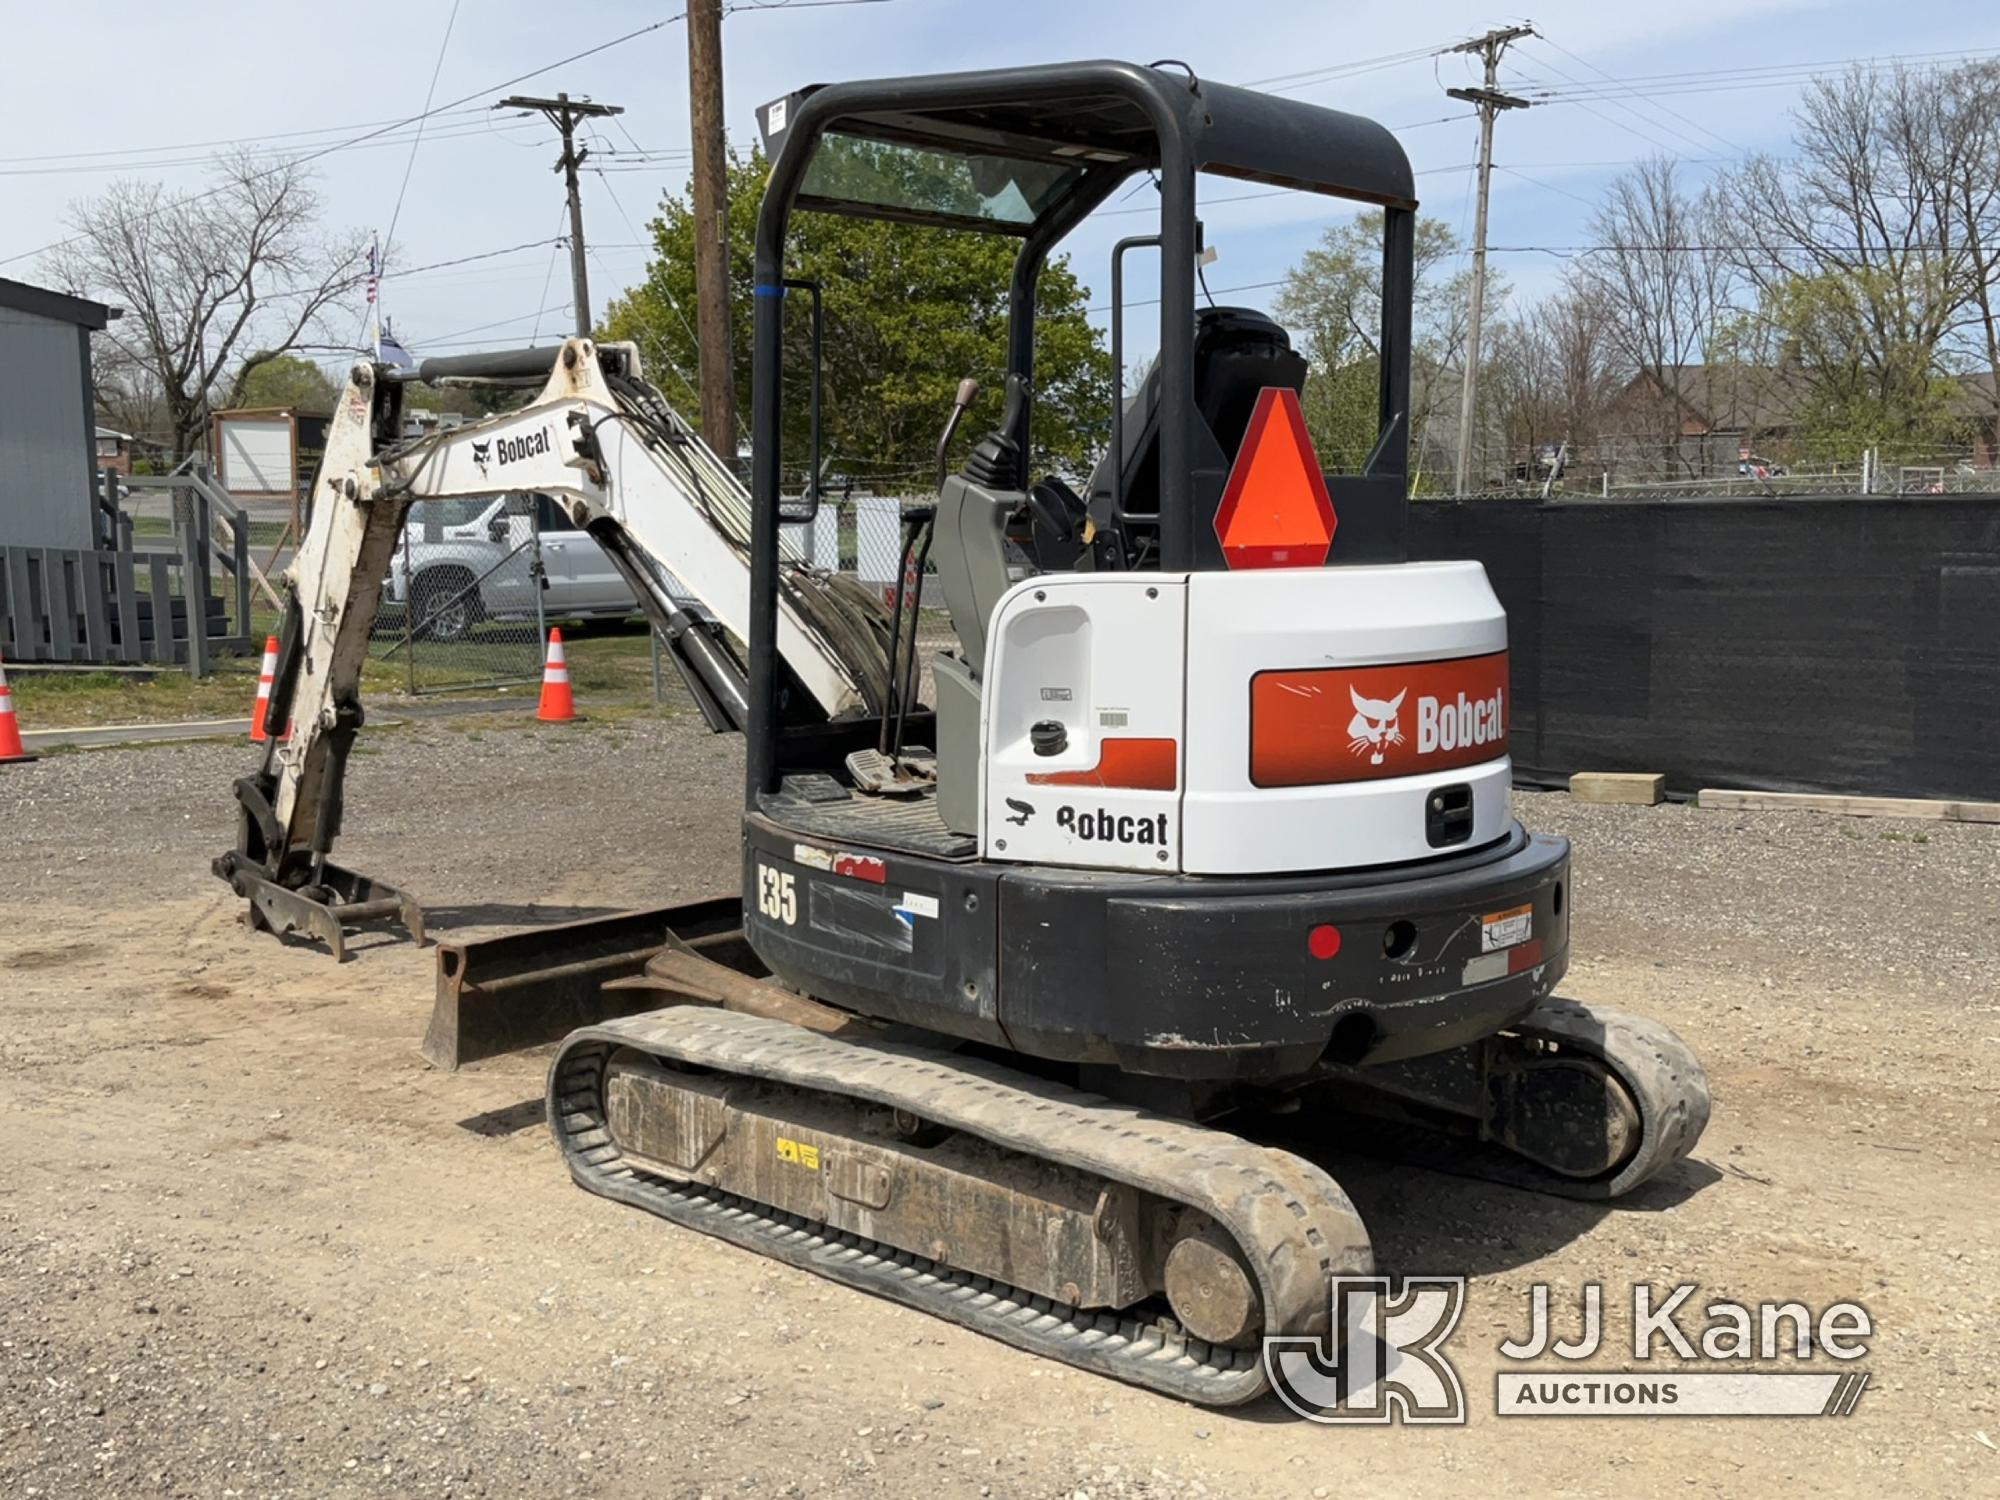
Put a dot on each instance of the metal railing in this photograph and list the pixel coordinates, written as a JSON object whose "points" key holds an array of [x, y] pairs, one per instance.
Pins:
{"points": [[145, 593]]}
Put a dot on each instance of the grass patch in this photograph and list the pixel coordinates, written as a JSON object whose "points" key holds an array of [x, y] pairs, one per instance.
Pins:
{"points": [[264, 534], [72, 700], [610, 664]]}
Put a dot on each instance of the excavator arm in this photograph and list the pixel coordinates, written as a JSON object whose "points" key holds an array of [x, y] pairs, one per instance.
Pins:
{"points": [[624, 467]]}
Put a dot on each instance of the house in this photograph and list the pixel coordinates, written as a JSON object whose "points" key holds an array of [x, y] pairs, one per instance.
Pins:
{"points": [[48, 445], [1700, 421], [114, 451]]}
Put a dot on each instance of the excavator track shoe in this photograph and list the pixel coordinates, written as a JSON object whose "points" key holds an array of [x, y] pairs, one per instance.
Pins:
{"points": [[1147, 1249]]}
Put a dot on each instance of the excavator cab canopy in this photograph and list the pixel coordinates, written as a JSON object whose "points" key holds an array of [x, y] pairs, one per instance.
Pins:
{"points": [[1029, 152], [1006, 151]]}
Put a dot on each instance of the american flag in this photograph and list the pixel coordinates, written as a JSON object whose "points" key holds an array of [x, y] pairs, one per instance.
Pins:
{"points": [[374, 276]]}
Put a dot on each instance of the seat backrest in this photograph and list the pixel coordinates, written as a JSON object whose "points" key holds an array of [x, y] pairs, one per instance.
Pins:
{"points": [[1237, 353]]}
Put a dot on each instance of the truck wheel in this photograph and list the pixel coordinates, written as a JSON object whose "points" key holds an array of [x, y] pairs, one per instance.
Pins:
{"points": [[445, 604]]}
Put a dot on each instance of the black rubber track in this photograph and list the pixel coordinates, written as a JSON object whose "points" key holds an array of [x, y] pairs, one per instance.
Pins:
{"points": [[1293, 1224], [1665, 1081], [1658, 1070]]}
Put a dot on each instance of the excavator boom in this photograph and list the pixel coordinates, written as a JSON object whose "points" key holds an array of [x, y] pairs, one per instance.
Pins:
{"points": [[623, 465]]}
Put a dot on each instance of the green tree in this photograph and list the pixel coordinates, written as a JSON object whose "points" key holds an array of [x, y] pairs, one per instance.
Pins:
{"points": [[285, 380], [1332, 303], [910, 311], [1854, 388]]}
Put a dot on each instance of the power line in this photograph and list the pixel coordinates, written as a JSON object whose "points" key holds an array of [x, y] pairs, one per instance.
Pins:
{"points": [[208, 159], [1681, 135], [1221, 291], [1548, 187], [749, 5], [416, 271], [548, 275], [1766, 75], [1723, 140], [459, 334], [439, 265], [617, 41], [1547, 97], [409, 166], [1467, 114], [241, 140], [1284, 83]]}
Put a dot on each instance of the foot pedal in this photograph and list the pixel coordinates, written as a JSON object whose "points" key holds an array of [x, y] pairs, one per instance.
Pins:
{"points": [[875, 773]]}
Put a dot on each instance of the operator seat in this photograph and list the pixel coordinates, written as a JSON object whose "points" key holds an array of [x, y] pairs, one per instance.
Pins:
{"points": [[1237, 353]]}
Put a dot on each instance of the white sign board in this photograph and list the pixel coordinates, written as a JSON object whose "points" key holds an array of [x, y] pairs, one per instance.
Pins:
{"points": [[878, 538], [817, 542], [255, 455]]}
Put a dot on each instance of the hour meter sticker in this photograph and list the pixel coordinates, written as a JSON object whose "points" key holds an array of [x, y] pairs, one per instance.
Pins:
{"points": [[1319, 725]]}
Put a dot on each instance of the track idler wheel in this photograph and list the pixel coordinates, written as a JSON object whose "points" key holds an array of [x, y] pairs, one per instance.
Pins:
{"points": [[1564, 1110], [1599, 1099], [1577, 1100], [1210, 1288]]}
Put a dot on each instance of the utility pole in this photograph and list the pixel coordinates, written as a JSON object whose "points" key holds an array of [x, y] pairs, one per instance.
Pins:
{"points": [[1490, 101], [711, 229], [563, 113]]}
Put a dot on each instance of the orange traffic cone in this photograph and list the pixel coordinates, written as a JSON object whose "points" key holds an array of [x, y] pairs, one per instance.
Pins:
{"points": [[557, 706], [11, 748], [266, 674]]}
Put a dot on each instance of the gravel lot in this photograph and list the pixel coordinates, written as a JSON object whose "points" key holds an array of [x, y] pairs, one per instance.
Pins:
{"points": [[251, 1245]]}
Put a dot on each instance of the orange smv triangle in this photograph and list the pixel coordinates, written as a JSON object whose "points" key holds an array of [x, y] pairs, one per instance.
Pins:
{"points": [[1275, 510]]}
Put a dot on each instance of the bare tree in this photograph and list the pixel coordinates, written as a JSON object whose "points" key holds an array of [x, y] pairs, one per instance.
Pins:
{"points": [[1660, 289], [1552, 374], [214, 281], [1875, 249], [1972, 198]]}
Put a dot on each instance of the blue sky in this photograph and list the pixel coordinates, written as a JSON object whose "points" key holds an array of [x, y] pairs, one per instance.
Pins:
{"points": [[480, 183]]}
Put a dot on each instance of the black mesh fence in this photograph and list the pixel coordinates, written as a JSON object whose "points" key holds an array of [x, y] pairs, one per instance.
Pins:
{"points": [[1834, 644]]}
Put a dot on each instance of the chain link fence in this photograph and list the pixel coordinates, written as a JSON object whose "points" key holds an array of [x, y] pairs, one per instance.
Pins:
{"points": [[475, 582], [464, 607], [1646, 469]]}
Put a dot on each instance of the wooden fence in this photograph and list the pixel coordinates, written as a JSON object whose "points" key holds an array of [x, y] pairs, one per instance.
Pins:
{"points": [[130, 603]]}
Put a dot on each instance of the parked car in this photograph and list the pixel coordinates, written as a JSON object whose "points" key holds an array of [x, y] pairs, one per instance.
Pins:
{"points": [[463, 561]]}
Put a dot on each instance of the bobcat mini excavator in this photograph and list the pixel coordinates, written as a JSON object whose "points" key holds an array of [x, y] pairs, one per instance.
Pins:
{"points": [[1207, 823]]}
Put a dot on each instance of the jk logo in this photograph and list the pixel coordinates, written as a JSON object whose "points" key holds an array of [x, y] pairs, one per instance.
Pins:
{"points": [[1382, 1357]]}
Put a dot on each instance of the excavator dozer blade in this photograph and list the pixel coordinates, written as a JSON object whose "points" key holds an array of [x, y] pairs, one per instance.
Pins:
{"points": [[533, 987]]}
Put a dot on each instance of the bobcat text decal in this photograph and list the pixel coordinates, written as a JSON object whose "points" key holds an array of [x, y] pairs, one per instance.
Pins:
{"points": [[1330, 724], [528, 445], [1109, 827]]}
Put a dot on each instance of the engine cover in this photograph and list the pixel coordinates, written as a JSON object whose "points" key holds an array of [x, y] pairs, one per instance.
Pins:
{"points": [[1224, 723]]}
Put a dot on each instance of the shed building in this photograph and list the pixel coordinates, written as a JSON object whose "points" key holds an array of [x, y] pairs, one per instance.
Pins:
{"points": [[48, 438]]}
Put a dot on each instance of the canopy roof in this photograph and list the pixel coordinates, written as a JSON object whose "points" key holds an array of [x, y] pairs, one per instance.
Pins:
{"points": [[1008, 150]]}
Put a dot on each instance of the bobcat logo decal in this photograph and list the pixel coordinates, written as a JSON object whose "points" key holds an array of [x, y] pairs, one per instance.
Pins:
{"points": [[1374, 726], [481, 451]]}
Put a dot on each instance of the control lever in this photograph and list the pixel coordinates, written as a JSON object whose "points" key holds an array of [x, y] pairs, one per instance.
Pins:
{"points": [[968, 392]]}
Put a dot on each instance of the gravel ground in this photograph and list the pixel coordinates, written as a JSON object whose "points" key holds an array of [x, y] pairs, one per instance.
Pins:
{"points": [[251, 1245]]}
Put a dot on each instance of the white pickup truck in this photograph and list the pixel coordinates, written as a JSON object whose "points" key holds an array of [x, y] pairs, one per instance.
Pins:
{"points": [[463, 561]]}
